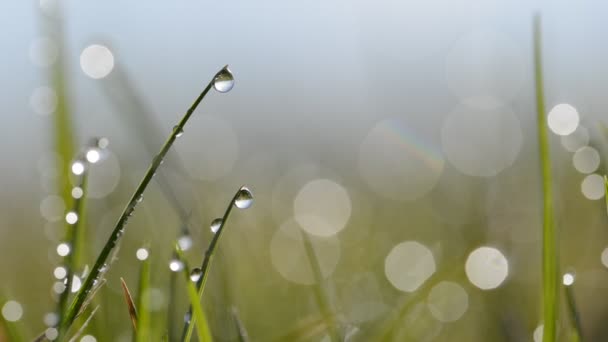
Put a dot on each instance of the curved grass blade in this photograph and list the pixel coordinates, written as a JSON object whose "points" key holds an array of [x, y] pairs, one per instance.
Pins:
{"points": [[142, 332], [206, 266], [203, 331], [130, 304], [118, 231], [549, 268]]}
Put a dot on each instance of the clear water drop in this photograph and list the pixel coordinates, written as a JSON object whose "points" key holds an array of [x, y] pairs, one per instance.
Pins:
{"points": [[196, 274], [215, 225], [178, 132], [139, 199], [187, 317], [224, 80], [244, 198]]}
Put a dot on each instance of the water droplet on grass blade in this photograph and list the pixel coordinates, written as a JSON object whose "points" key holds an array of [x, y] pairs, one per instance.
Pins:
{"points": [[224, 80], [140, 198], [196, 274], [244, 198], [215, 225], [178, 131]]}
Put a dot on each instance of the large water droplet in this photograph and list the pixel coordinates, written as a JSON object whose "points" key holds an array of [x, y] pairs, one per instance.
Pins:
{"points": [[196, 274], [244, 198], [224, 81], [178, 131], [215, 225]]}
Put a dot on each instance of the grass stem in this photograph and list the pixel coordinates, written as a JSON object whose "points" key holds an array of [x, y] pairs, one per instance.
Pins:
{"points": [[549, 259], [129, 209]]}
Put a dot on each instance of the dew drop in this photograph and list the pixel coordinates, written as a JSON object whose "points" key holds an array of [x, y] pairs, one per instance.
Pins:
{"points": [[196, 274], [78, 167], [224, 80], [102, 142], [244, 198], [187, 317], [178, 131], [215, 225], [139, 199]]}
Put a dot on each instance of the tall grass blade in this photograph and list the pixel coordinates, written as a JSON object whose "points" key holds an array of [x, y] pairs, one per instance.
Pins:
{"points": [[74, 236], [319, 290], [549, 268], [240, 327], [130, 304], [198, 314], [142, 332], [118, 231], [574, 313], [206, 265]]}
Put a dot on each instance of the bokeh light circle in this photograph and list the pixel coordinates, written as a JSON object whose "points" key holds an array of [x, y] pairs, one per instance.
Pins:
{"points": [[481, 142], [322, 207], [563, 119], [289, 256], [586, 159], [447, 301], [96, 61], [487, 268], [408, 265], [592, 187], [398, 160]]}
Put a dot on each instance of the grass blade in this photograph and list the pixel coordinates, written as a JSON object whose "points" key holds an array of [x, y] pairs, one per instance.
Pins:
{"points": [[549, 268], [574, 313], [73, 258], [240, 328], [320, 293], [130, 207], [198, 314], [84, 325], [206, 266], [130, 304], [142, 332]]}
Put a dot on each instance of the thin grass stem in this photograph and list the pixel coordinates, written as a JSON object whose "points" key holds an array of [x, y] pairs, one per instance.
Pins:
{"points": [[130, 304], [129, 209], [206, 265], [142, 333], [574, 313], [549, 268]]}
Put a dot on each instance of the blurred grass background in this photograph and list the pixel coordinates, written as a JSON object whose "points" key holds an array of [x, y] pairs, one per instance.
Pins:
{"points": [[423, 114]]}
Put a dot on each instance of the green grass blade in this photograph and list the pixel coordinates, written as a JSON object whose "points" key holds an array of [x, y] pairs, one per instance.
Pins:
{"points": [[142, 333], [198, 314], [130, 304], [549, 268], [119, 229], [240, 327], [84, 325], [319, 290], [206, 265], [574, 313], [74, 236]]}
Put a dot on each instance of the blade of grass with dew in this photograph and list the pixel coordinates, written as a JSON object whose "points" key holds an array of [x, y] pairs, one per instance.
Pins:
{"points": [[172, 307], [142, 332], [206, 265], [119, 228], [73, 258], [198, 314], [549, 268], [574, 314], [319, 290], [130, 304]]}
